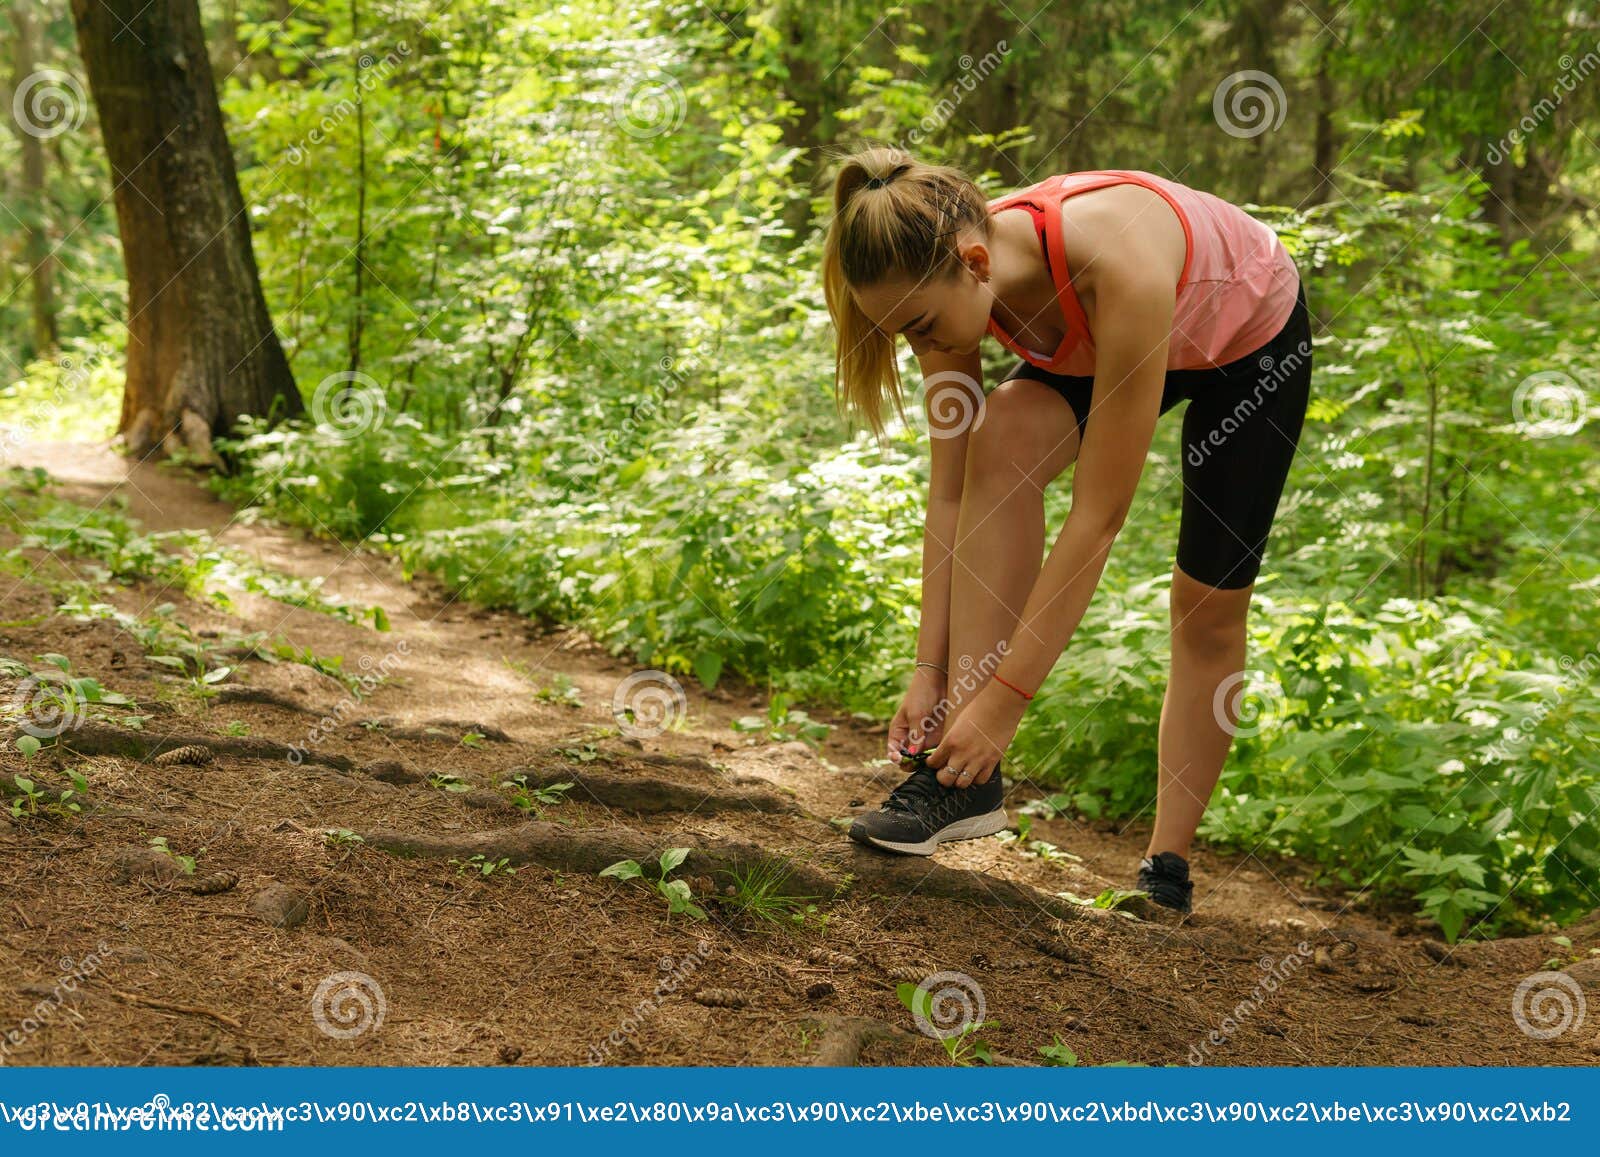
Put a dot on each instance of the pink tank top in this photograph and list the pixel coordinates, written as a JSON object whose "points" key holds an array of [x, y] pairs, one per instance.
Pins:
{"points": [[1236, 290]]}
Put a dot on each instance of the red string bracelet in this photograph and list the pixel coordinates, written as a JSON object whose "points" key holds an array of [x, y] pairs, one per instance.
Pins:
{"points": [[1013, 686]]}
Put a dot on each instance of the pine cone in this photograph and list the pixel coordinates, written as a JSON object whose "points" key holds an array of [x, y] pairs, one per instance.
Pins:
{"points": [[191, 754]]}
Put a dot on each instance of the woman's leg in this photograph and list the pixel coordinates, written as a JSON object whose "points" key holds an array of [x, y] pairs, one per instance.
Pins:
{"points": [[1240, 434], [1028, 436], [1208, 653]]}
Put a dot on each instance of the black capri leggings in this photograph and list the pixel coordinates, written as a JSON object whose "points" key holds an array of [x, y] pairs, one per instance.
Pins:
{"points": [[1239, 436]]}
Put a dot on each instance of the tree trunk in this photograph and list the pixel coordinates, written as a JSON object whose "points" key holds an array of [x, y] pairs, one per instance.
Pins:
{"points": [[201, 348], [34, 208], [1325, 145]]}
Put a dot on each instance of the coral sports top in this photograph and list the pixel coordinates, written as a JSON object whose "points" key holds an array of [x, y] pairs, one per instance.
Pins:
{"points": [[1236, 290]]}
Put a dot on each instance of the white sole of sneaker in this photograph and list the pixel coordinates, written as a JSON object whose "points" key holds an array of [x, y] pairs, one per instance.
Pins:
{"points": [[971, 828]]}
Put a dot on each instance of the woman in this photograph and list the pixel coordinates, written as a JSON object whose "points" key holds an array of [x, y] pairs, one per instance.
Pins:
{"points": [[1122, 293]]}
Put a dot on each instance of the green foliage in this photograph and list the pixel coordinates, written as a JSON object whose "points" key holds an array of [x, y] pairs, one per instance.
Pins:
{"points": [[963, 1045], [568, 256], [676, 893], [531, 798], [185, 863], [783, 723]]}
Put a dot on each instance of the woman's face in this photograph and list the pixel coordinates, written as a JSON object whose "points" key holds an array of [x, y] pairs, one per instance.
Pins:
{"points": [[950, 315]]}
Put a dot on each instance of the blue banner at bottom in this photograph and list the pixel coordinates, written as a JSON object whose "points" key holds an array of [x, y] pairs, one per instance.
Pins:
{"points": [[172, 1110]]}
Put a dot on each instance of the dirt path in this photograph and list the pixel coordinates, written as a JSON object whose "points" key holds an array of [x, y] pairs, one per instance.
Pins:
{"points": [[107, 963]]}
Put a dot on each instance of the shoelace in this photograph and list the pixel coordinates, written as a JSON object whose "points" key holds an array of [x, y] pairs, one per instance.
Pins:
{"points": [[921, 786]]}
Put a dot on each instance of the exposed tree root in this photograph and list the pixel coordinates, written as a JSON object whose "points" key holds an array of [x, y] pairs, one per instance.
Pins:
{"points": [[828, 877], [238, 693], [659, 759], [592, 849], [843, 1037], [192, 434], [90, 738], [647, 794], [438, 730], [902, 875]]}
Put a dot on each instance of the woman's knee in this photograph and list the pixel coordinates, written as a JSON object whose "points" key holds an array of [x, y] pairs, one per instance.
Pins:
{"points": [[1210, 618], [1026, 431]]}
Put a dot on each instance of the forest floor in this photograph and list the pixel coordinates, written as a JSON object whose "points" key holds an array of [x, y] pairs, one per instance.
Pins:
{"points": [[112, 955]]}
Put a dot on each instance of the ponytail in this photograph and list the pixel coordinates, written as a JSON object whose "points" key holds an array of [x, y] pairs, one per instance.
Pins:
{"points": [[892, 216]]}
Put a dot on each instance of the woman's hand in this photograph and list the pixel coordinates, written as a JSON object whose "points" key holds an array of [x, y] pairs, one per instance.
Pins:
{"points": [[979, 737], [918, 724]]}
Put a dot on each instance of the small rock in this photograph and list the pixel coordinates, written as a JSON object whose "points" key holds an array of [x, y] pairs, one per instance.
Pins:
{"points": [[797, 750], [722, 998], [509, 1054], [1586, 973], [280, 905], [858, 803], [487, 800], [633, 742], [819, 990], [134, 863]]}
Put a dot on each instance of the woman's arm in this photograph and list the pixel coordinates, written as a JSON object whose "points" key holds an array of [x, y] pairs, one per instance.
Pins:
{"points": [[1134, 302], [953, 385]]}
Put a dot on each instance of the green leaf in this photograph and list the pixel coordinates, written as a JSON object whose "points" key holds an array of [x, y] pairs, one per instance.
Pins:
{"points": [[623, 870], [707, 668], [672, 857], [28, 745]]}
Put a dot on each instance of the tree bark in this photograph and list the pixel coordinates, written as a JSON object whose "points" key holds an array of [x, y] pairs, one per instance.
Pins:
{"points": [[202, 351], [34, 207]]}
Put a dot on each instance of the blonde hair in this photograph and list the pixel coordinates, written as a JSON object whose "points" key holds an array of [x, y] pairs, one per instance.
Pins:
{"points": [[903, 224]]}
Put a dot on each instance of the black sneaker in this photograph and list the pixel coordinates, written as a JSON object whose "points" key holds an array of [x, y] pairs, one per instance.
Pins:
{"points": [[1166, 877], [921, 813]]}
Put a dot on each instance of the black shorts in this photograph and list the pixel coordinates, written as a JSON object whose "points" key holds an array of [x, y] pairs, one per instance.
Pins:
{"points": [[1240, 432]]}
